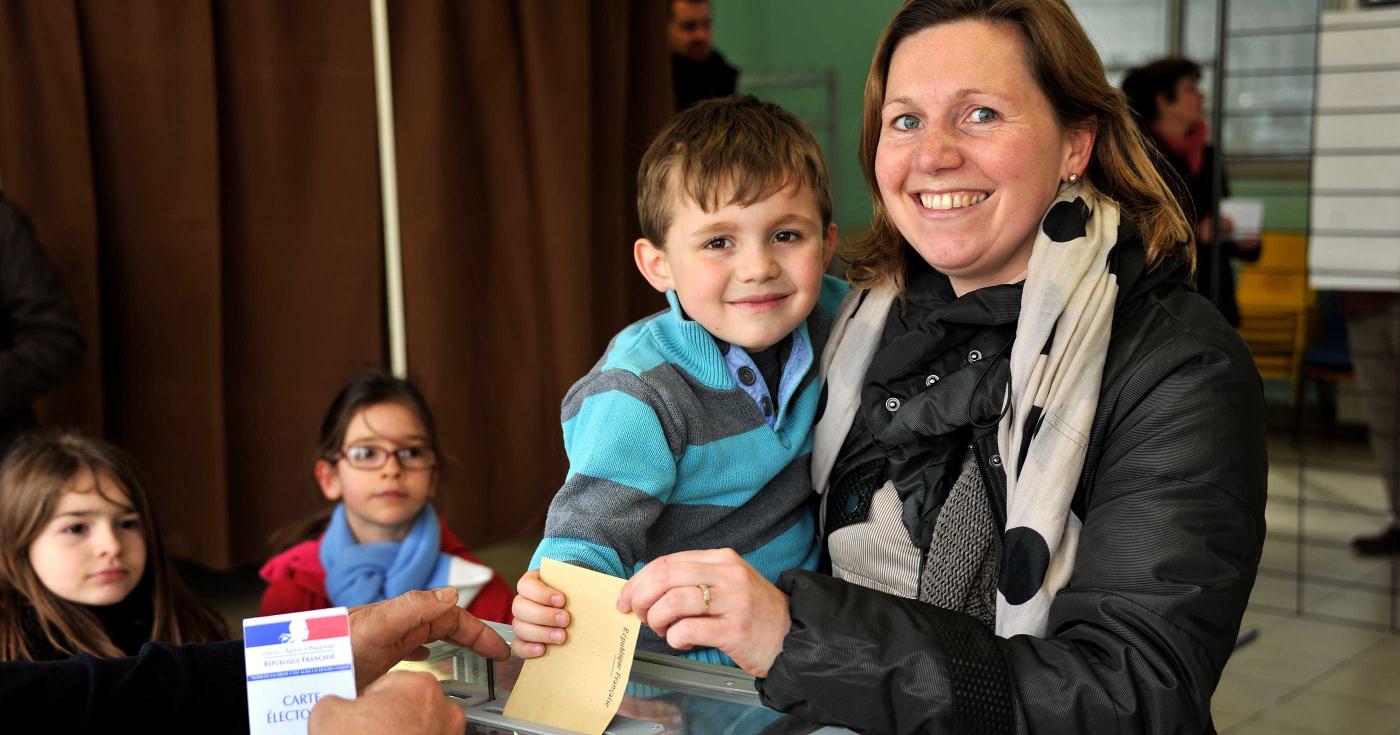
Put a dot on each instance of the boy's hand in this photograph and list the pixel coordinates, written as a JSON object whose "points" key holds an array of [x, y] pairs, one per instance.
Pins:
{"points": [[540, 618]]}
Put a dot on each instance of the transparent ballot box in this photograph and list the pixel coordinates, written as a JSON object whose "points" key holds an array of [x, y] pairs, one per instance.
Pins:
{"points": [[665, 695]]}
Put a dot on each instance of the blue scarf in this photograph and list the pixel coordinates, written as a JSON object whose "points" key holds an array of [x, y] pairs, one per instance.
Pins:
{"points": [[358, 574]]}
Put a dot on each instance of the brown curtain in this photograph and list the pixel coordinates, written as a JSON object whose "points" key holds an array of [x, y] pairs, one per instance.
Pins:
{"points": [[520, 128], [204, 175], [213, 165], [45, 159]]}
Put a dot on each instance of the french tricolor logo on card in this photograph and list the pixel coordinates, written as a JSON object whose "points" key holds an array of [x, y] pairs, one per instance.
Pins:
{"points": [[292, 660], [297, 630]]}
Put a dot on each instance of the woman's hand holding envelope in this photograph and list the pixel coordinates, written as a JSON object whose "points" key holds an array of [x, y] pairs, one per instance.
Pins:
{"points": [[745, 616]]}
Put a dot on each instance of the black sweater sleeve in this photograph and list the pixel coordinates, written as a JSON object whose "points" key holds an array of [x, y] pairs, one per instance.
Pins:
{"points": [[198, 687], [1136, 642], [40, 339]]}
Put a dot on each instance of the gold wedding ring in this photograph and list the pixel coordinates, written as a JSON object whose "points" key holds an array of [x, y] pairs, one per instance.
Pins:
{"points": [[705, 593]]}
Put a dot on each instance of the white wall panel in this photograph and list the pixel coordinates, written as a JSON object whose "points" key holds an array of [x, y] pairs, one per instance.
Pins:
{"points": [[1370, 46], [1358, 89], [1371, 214], [1330, 173], [1341, 132], [1338, 257], [1354, 263]]}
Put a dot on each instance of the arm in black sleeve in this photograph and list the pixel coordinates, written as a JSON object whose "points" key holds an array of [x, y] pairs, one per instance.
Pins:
{"points": [[198, 687], [40, 339], [1173, 529]]}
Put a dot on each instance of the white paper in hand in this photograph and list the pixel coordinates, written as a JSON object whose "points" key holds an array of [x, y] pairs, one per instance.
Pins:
{"points": [[291, 662]]}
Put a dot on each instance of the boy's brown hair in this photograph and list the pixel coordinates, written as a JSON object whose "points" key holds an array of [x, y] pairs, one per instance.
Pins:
{"points": [[737, 146]]}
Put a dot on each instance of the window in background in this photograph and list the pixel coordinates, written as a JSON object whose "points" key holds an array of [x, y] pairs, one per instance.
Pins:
{"points": [[1127, 32]]}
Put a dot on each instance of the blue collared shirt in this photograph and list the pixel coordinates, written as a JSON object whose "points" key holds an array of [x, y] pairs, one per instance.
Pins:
{"points": [[750, 378]]}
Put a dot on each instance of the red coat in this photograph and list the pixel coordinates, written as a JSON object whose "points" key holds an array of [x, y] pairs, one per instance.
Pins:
{"points": [[296, 581]]}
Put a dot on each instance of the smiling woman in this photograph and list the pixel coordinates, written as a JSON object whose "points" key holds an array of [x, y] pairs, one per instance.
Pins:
{"points": [[1030, 517], [966, 162], [1052, 94]]}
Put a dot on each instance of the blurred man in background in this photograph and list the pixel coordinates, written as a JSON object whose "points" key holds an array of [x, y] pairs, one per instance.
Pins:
{"points": [[698, 71]]}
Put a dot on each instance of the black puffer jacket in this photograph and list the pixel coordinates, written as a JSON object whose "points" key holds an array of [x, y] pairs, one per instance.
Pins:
{"points": [[1172, 500]]}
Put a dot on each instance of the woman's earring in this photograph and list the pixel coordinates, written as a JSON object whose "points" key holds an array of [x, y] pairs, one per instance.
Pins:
{"points": [[1073, 178]]}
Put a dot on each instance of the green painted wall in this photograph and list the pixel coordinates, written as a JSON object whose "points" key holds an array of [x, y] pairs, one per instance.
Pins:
{"points": [[1285, 202], [808, 36]]}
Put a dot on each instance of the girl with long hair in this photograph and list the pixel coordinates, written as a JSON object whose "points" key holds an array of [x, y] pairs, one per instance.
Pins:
{"points": [[82, 567]]}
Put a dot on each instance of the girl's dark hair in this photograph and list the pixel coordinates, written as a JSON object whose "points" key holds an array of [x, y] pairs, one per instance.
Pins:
{"points": [[34, 475], [369, 388]]}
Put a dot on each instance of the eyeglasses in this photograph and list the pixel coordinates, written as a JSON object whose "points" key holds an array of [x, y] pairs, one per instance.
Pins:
{"points": [[370, 457]]}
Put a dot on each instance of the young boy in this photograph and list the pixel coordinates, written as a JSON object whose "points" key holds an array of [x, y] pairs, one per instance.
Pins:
{"points": [[694, 429]]}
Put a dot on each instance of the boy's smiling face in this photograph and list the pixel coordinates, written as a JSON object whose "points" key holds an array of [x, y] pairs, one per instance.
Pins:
{"points": [[748, 274]]}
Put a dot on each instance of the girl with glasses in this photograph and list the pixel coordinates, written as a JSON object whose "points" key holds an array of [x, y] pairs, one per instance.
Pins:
{"points": [[380, 464]]}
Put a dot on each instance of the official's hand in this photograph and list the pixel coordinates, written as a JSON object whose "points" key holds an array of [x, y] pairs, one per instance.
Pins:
{"points": [[539, 613], [746, 616], [408, 702], [388, 632]]}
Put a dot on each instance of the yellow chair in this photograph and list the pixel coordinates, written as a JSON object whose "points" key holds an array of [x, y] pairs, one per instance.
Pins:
{"points": [[1275, 302]]}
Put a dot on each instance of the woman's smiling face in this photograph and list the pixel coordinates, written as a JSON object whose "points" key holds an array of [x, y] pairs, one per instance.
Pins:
{"points": [[971, 153]]}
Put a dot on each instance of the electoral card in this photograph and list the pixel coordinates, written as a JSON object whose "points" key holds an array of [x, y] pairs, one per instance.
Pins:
{"points": [[292, 661]]}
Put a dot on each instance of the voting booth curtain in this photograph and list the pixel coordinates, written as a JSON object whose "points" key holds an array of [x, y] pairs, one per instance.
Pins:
{"points": [[205, 177]]}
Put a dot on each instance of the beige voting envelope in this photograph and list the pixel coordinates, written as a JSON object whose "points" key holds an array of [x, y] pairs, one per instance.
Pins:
{"points": [[579, 685]]}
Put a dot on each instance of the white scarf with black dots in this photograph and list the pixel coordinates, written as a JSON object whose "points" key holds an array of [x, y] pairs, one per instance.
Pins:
{"points": [[1056, 370]]}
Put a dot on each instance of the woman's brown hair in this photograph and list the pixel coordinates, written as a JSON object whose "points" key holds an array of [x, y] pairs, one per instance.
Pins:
{"points": [[34, 475], [1070, 75]]}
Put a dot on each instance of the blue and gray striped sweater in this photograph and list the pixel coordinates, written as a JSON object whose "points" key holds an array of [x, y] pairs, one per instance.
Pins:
{"points": [[668, 452]]}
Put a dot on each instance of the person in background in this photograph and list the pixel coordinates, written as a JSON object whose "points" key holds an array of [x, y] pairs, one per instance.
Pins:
{"points": [[1373, 332], [698, 71], [381, 465], [82, 568], [1167, 101], [40, 340], [200, 687]]}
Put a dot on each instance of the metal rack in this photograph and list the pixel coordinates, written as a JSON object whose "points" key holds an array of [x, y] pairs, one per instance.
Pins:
{"points": [[1260, 64], [1310, 546]]}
